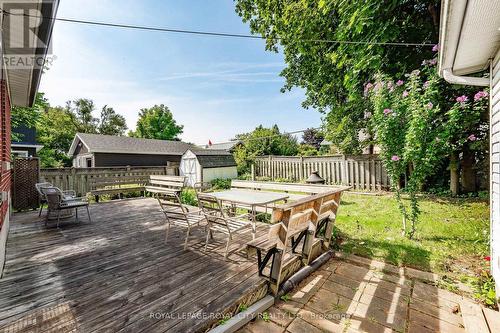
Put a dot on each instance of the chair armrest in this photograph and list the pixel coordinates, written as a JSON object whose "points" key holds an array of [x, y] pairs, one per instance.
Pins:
{"points": [[194, 212], [70, 192]]}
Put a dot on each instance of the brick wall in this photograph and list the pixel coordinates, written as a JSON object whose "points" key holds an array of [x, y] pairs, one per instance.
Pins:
{"points": [[5, 172]]}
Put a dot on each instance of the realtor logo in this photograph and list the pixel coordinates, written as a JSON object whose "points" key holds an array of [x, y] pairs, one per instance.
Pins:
{"points": [[26, 33]]}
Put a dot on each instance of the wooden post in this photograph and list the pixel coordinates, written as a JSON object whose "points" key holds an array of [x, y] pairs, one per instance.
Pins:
{"points": [[343, 173], [73, 182], [252, 171], [301, 168], [271, 171]]}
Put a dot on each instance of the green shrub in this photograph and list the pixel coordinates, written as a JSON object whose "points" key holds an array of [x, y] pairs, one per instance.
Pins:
{"points": [[188, 197], [221, 184]]}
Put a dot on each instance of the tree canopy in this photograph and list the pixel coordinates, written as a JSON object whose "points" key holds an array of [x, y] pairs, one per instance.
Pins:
{"points": [[157, 122], [333, 73]]}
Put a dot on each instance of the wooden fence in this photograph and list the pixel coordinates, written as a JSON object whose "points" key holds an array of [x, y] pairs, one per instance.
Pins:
{"points": [[78, 179], [363, 172]]}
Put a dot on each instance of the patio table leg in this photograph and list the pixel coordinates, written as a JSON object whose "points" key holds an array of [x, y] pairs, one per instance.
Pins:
{"points": [[254, 222]]}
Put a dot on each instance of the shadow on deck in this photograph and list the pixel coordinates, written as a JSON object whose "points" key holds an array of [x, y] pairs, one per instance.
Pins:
{"points": [[117, 274]]}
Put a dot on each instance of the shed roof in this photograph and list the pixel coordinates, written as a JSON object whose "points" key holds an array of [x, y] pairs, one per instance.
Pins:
{"points": [[97, 143], [212, 158]]}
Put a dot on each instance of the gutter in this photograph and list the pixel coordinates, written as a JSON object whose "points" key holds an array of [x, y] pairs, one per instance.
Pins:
{"points": [[465, 80]]}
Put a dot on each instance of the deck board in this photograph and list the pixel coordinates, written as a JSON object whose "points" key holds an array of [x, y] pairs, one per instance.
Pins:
{"points": [[112, 274]]}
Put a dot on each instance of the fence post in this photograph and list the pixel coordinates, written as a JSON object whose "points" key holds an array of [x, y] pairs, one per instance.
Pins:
{"points": [[271, 171], [343, 174], [73, 181], [301, 168], [252, 171]]}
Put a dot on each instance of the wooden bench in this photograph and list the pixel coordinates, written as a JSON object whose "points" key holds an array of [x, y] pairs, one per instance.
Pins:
{"points": [[117, 185], [310, 220], [167, 185]]}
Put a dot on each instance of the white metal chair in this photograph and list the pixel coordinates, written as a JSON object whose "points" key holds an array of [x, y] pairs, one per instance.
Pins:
{"points": [[219, 220], [57, 203], [179, 215], [68, 195]]}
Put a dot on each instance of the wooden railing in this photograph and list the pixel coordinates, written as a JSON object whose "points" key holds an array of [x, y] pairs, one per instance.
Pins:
{"points": [[79, 179], [363, 172]]}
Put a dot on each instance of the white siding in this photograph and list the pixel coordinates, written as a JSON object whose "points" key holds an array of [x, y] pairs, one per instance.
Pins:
{"points": [[223, 172], [495, 170]]}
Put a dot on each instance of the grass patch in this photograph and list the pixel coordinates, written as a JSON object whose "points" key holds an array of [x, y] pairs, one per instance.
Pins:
{"points": [[452, 235]]}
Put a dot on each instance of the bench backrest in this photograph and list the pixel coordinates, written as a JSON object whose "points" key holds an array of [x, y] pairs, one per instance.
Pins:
{"points": [[167, 182], [285, 187], [304, 214], [102, 182]]}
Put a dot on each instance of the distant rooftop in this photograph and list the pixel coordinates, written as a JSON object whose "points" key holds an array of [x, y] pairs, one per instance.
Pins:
{"points": [[224, 145], [97, 143]]}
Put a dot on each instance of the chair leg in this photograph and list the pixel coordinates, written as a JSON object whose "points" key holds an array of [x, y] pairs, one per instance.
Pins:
{"points": [[209, 232], [187, 237], [41, 208], [227, 246], [76, 214], [88, 213], [166, 232], [58, 217]]}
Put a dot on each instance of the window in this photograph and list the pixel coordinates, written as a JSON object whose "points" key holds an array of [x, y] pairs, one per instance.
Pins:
{"points": [[89, 162], [19, 153]]}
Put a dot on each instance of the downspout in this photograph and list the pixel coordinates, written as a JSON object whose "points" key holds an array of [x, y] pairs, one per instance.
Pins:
{"points": [[465, 80]]}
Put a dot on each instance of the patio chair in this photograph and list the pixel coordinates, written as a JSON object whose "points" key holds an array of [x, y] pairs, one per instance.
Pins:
{"points": [[219, 220], [68, 195], [177, 214], [57, 203]]}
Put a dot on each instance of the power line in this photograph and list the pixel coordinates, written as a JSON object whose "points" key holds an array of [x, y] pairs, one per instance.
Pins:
{"points": [[210, 33], [271, 136]]}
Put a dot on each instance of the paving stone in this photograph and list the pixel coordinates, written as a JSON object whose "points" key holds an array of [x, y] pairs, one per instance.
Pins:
{"points": [[392, 287], [389, 295], [341, 279], [366, 325], [493, 319], [375, 264], [346, 291], [302, 326], [262, 326], [443, 313], [397, 279], [325, 322], [432, 294], [280, 317], [307, 288], [289, 306], [326, 301], [331, 265], [354, 272], [393, 317], [421, 275], [418, 319]]}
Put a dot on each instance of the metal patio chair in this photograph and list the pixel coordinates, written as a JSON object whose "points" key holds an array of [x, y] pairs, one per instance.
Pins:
{"points": [[179, 215], [68, 195], [56, 203], [220, 221]]}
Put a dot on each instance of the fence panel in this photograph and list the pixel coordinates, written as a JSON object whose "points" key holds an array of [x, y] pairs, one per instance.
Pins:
{"points": [[24, 177], [78, 179], [362, 172]]}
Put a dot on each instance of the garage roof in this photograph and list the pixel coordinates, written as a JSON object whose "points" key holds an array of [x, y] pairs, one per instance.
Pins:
{"points": [[212, 158], [469, 35]]}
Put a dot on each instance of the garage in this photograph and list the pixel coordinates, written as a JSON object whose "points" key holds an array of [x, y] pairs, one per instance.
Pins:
{"points": [[205, 165]]}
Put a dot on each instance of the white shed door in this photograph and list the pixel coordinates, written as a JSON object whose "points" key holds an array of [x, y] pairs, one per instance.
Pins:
{"points": [[190, 171]]}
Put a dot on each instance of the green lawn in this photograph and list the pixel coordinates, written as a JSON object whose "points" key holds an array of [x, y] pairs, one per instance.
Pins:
{"points": [[452, 235]]}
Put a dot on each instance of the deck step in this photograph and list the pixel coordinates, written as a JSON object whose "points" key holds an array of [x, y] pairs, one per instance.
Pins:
{"points": [[473, 317]]}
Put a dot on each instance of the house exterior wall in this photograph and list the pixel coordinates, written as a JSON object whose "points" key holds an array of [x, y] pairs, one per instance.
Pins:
{"points": [[110, 159], [495, 169], [5, 169], [210, 174]]}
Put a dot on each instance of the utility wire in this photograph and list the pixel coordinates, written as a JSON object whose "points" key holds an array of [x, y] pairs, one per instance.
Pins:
{"points": [[210, 33], [270, 136]]}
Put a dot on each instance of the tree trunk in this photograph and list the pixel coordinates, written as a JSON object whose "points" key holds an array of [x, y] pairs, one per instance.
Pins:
{"points": [[468, 173], [454, 175]]}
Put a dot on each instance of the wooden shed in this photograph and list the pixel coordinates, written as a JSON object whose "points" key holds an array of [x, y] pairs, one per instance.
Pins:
{"points": [[205, 165]]}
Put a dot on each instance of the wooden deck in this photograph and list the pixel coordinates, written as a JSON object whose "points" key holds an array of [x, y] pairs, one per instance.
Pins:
{"points": [[117, 274]]}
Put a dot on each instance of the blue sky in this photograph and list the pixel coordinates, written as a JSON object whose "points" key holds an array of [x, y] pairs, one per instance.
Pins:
{"points": [[216, 87]]}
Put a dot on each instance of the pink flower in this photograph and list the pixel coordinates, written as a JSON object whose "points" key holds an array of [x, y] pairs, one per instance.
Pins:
{"points": [[405, 93], [395, 158], [435, 48], [462, 99], [399, 83], [430, 105], [472, 137], [432, 62], [479, 95], [387, 111], [426, 84]]}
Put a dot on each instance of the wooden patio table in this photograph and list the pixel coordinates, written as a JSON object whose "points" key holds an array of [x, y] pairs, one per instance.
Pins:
{"points": [[250, 199]]}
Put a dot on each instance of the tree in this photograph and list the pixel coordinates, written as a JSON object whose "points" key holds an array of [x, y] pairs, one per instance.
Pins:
{"points": [[111, 123], [263, 141], [157, 122], [27, 116], [312, 137], [333, 73], [83, 108]]}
